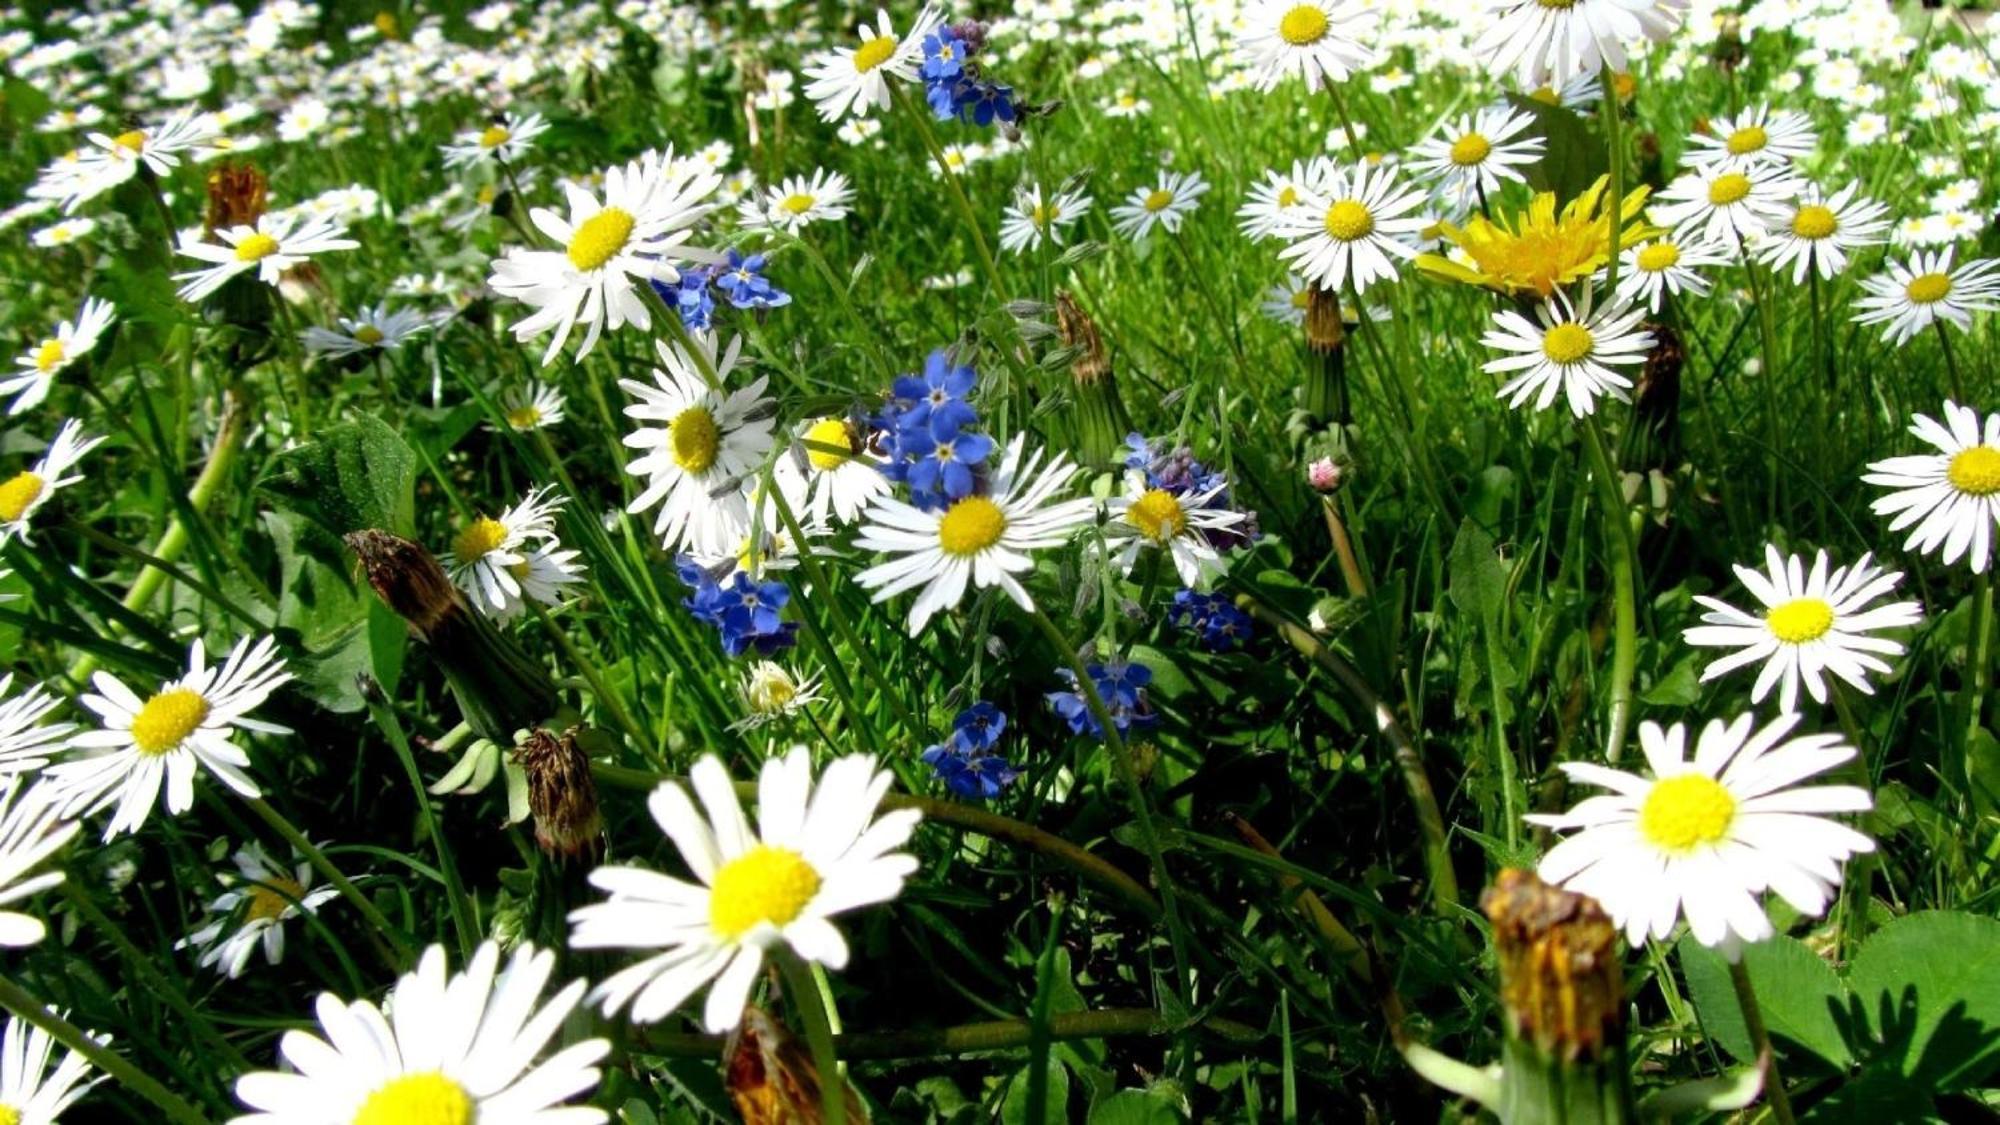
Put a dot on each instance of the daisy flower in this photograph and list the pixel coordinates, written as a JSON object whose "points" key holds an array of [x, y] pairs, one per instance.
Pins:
{"points": [[1356, 222], [1145, 516], [1667, 264], [1819, 232], [457, 1048], [370, 329], [1031, 219], [984, 538], [797, 202], [30, 1093], [252, 913], [1168, 204], [23, 494], [1707, 837], [492, 557], [611, 250], [770, 692], [1279, 194], [1573, 350], [73, 340], [1320, 41], [68, 232], [507, 138], [1472, 156], [278, 242], [536, 406], [1727, 206], [158, 149], [856, 81], [708, 440], [169, 736], [27, 743], [839, 485], [1927, 290], [1950, 498], [818, 850], [1758, 135], [32, 828], [1811, 623], [1545, 41]]}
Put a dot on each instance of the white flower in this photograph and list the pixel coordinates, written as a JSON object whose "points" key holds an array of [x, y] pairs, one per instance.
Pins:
{"points": [[68, 232], [537, 406], [1756, 136], [32, 828], [1708, 837], [1321, 41], [1574, 351], [709, 440], [170, 736], [1029, 219], [1727, 206], [29, 1090], [1545, 41], [277, 243], [1177, 524], [1472, 156], [507, 137], [375, 328], [1356, 222], [73, 340], [1168, 204], [796, 202], [982, 539], [1928, 290], [770, 692], [633, 236], [504, 563], [1277, 195], [252, 913], [818, 850], [23, 494], [158, 148], [1811, 624], [1952, 497], [856, 81], [839, 486], [1819, 232], [27, 743], [1667, 264], [456, 1048]]}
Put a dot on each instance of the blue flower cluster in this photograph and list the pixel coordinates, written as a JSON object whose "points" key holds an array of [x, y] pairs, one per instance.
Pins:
{"points": [[1123, 687], [740, 280], [952, 83], [744, 611], [925, 436], [964, 761], [1212, 617], [1176, 471]]}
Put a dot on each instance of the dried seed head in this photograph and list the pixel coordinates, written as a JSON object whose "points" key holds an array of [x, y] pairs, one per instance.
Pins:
{"points": [[1325, 333], [1080, 335], [1560, 966], [771, 1078], [409, 580], [561, 794], [235, 197]]}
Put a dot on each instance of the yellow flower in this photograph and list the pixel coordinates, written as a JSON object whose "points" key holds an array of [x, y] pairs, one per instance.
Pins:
{"points": [[1538, 250]]}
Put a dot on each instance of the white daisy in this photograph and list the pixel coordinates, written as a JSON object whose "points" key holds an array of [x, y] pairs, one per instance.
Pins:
{"points": [[1279, 194], [797, 202], [493, 558], [1177, 524], [1357, 220], [1030, 219], [1810, 624], [1667, 264], [73, 340], [448, 1049], [1819, 231], [708, 441], [277, 243], [610, 251], [1168, 204], [252, 913], [984, 539], [26, 742], [1927, 290], [31, 1093], [1320, 41], [158, 149], [169, 736], [23, 494], [1573, 350], [1727, 206], [818, 850], [370, 329], [1952, 497], [1472, 156], [68, 232], [32, 828], [507, 137], [856, 81], [770, 692], [536, 406], [1758, 135], [1708, 837], [1554, 40], [839, 485]]}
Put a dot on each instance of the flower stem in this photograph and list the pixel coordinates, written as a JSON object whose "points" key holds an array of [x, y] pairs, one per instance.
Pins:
{"points": [[1614, 144], [1950, 362], [463, 923], [17, 1001], [1979, 656], [816, 1021], [1624, 581], [956, 191], [381, 930], [1760, 1038]]}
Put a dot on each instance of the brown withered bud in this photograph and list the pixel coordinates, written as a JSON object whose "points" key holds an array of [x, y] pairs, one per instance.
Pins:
{"points": [[1078, 331], [408, 578], [561, 794], [771, 1078], [1656, 401], [1325, 332], [1561, 980], [236, 197]]}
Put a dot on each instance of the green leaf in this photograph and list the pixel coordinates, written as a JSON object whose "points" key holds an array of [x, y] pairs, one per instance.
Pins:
{"points": [[1169, 682], [1799, 994], [1573, 158], [1014, 1111], [1134, 1107], [359, 475], [1929, 986], [1478, 577]]}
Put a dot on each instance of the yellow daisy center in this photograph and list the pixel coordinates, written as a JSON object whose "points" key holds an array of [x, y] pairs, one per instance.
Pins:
{"points": [[385, 22], [46, 358], [1305, 24], [1686, 811], [1799, 620], [487, 195], [269, 900], [369, 334], [1814, 221], [874, 53], [1302, 298], [256, 248], [1659, 256], [427, 1098], [1748, 139], [1928, 289], [1975, 471], [696, 439], [1728, 188], [1559, 4], [1348, 220], [524, 417], [9, 1115], [599, 238], [970, 526], [18, 493], [764, 884], [771, 693], [1158, 198], [1158, 515], [478, 539], [797, 203], [828, 432], [494, 137], [167, 719], [133, 142], [1546, 95], [1567, 343], [1043, 214], [1471, 149]]}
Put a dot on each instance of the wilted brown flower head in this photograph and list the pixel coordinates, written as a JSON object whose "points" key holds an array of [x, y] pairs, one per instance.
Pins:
{"points": [[235, 197], [1560, 965], [1079, 332], [771, 1078], [561, 794]]}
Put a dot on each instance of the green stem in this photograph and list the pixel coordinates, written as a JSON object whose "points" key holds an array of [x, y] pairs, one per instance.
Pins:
{"points": [[17, 1001], [1950, 362], [588, 669], [815, 1020], [1624, 582], [1979, 656], [1767, 335], [1614, 144], [463, 923], [1760, 1039], [957, 192], [991, 1035], [381, 930]]}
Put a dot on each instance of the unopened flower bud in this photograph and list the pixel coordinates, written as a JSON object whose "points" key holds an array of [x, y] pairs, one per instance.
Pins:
{"points": [[561, 794], [1561, 971], [1324, 475]]}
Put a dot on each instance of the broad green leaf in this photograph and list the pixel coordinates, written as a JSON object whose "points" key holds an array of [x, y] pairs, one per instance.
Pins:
{"points": [[1014, 1111], [358, 475], [1134, 1107], [1478, 577], [1573, 158], [1799, 995], [1929, 986]]}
